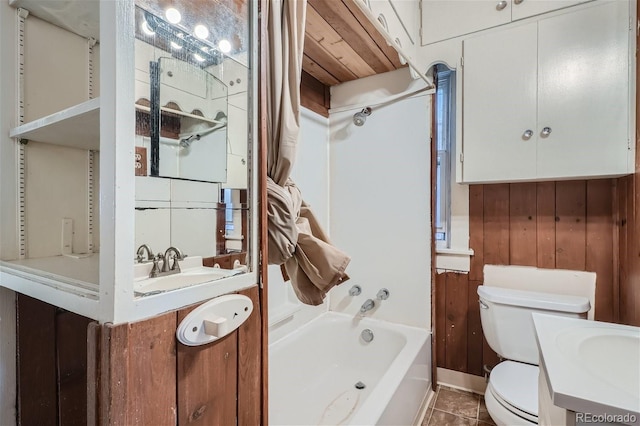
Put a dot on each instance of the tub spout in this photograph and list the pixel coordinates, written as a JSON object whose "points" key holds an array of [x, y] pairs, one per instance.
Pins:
{"points": [[367, 306]]}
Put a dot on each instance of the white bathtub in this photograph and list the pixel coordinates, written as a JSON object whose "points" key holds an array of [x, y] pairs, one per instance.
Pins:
{"points": [[313, 372]]}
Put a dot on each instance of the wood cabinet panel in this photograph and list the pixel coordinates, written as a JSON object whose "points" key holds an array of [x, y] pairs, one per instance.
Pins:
{"points": [[207, 384], [36, 375], [249, 363], [71, 344]]}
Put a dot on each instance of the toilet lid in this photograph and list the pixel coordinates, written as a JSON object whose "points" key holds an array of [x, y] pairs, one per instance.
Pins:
{"points": [[517, 384]]}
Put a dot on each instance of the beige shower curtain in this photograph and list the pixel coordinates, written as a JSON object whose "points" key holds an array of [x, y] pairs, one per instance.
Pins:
{"points": [[295, 237]]}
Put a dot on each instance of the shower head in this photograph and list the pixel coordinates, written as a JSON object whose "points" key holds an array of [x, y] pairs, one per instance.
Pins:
{"points": [[360, 117], [186, 142]]}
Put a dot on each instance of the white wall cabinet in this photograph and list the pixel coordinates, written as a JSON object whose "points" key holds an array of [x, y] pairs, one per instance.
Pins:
{"points": [[549, 99], [444, 19]]}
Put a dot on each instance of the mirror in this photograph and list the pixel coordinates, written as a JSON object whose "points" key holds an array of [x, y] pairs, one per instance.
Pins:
{"points": [[192, 120], [195, 102]]}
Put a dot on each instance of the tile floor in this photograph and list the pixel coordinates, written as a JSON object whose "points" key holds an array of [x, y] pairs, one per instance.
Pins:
{"points": [[453, 407]]}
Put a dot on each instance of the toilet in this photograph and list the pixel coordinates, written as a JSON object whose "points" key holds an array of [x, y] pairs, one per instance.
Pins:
{"points": [[511, 396]]}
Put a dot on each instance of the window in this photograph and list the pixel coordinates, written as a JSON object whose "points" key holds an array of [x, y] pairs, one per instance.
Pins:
{"points": [[445, 138]]}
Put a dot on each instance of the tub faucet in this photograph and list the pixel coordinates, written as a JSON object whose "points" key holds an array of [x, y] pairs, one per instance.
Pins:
{"points": [[355, 290], [175, 266], [367, 306], [141, 250]]}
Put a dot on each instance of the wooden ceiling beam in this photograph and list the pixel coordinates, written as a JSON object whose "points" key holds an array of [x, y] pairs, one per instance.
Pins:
{"points": [[318, 72], [340, 18], [319, 30], [319, 55]]}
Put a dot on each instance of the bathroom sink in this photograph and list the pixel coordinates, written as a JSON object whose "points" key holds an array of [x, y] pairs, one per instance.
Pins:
{"points": [[590, 366], [191, 273], [611, 355]]}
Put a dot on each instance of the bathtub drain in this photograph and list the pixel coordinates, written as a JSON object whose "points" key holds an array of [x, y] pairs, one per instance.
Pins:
{"points": [[360, 385]]}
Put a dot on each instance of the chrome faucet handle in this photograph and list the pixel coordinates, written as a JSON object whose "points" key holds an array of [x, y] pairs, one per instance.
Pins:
{"points": [[383, 294], [141, 250], [355, 290], [177, 255], [155, 270]]}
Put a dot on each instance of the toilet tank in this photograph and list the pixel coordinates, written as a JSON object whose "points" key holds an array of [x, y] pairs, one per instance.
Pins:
{"points": [[507, 323]]}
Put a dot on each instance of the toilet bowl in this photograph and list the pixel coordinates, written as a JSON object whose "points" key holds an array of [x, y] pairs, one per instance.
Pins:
{"points": [[512, 392]]}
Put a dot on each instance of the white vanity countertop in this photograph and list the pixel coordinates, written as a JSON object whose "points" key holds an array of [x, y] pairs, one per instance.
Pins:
{"points": [[591, 366]]}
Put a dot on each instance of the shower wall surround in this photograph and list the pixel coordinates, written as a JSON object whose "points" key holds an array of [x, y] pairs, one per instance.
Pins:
{"points": [[380, 197]]}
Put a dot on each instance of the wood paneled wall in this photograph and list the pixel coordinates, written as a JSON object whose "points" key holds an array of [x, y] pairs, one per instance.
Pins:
{"points": [[73, 371], [629, 248], [563, 225], [314, 95]]}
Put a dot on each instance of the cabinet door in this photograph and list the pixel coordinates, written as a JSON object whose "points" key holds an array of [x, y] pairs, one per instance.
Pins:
{"points": [[525, 8], [584, 92], [443, 19], [499, 92]]}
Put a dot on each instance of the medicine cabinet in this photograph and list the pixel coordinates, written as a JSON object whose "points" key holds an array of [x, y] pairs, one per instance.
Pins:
{"points": [[82, 187]]}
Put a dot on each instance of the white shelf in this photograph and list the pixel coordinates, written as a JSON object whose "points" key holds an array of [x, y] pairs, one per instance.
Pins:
{"points": [[82, 273], [69, 283], [76, 127]]}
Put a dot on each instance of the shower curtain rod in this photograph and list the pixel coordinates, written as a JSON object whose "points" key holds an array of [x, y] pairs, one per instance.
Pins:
{"points": [[383, 101]]}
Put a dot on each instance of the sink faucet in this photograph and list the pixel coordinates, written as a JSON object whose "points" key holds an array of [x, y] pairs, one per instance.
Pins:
{"points": [[157, 271], [367, 306], [141, 250], [175, 266]]}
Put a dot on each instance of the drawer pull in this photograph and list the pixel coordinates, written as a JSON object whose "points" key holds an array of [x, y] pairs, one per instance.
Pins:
{"points": [[527, 134], [546, 131], [501, 5]]}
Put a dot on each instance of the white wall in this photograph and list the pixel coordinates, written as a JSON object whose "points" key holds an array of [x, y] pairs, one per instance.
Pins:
{"points": [[380, 203], [310, 175]]}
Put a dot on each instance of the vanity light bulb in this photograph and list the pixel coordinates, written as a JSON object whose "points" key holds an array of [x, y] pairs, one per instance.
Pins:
{"points": [[198, 57], [175, 45], [224, 46], [201, 31], [146, 29], [173, 15]]}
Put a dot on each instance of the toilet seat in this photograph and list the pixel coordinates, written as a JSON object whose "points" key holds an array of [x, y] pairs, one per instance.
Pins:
{"points": [[503, 416], [514, 386]]}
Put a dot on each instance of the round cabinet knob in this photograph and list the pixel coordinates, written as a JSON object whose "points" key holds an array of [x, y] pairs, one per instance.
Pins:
{"points": [[527, 134], [518, 1], [501, 5], [546, 131]]}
